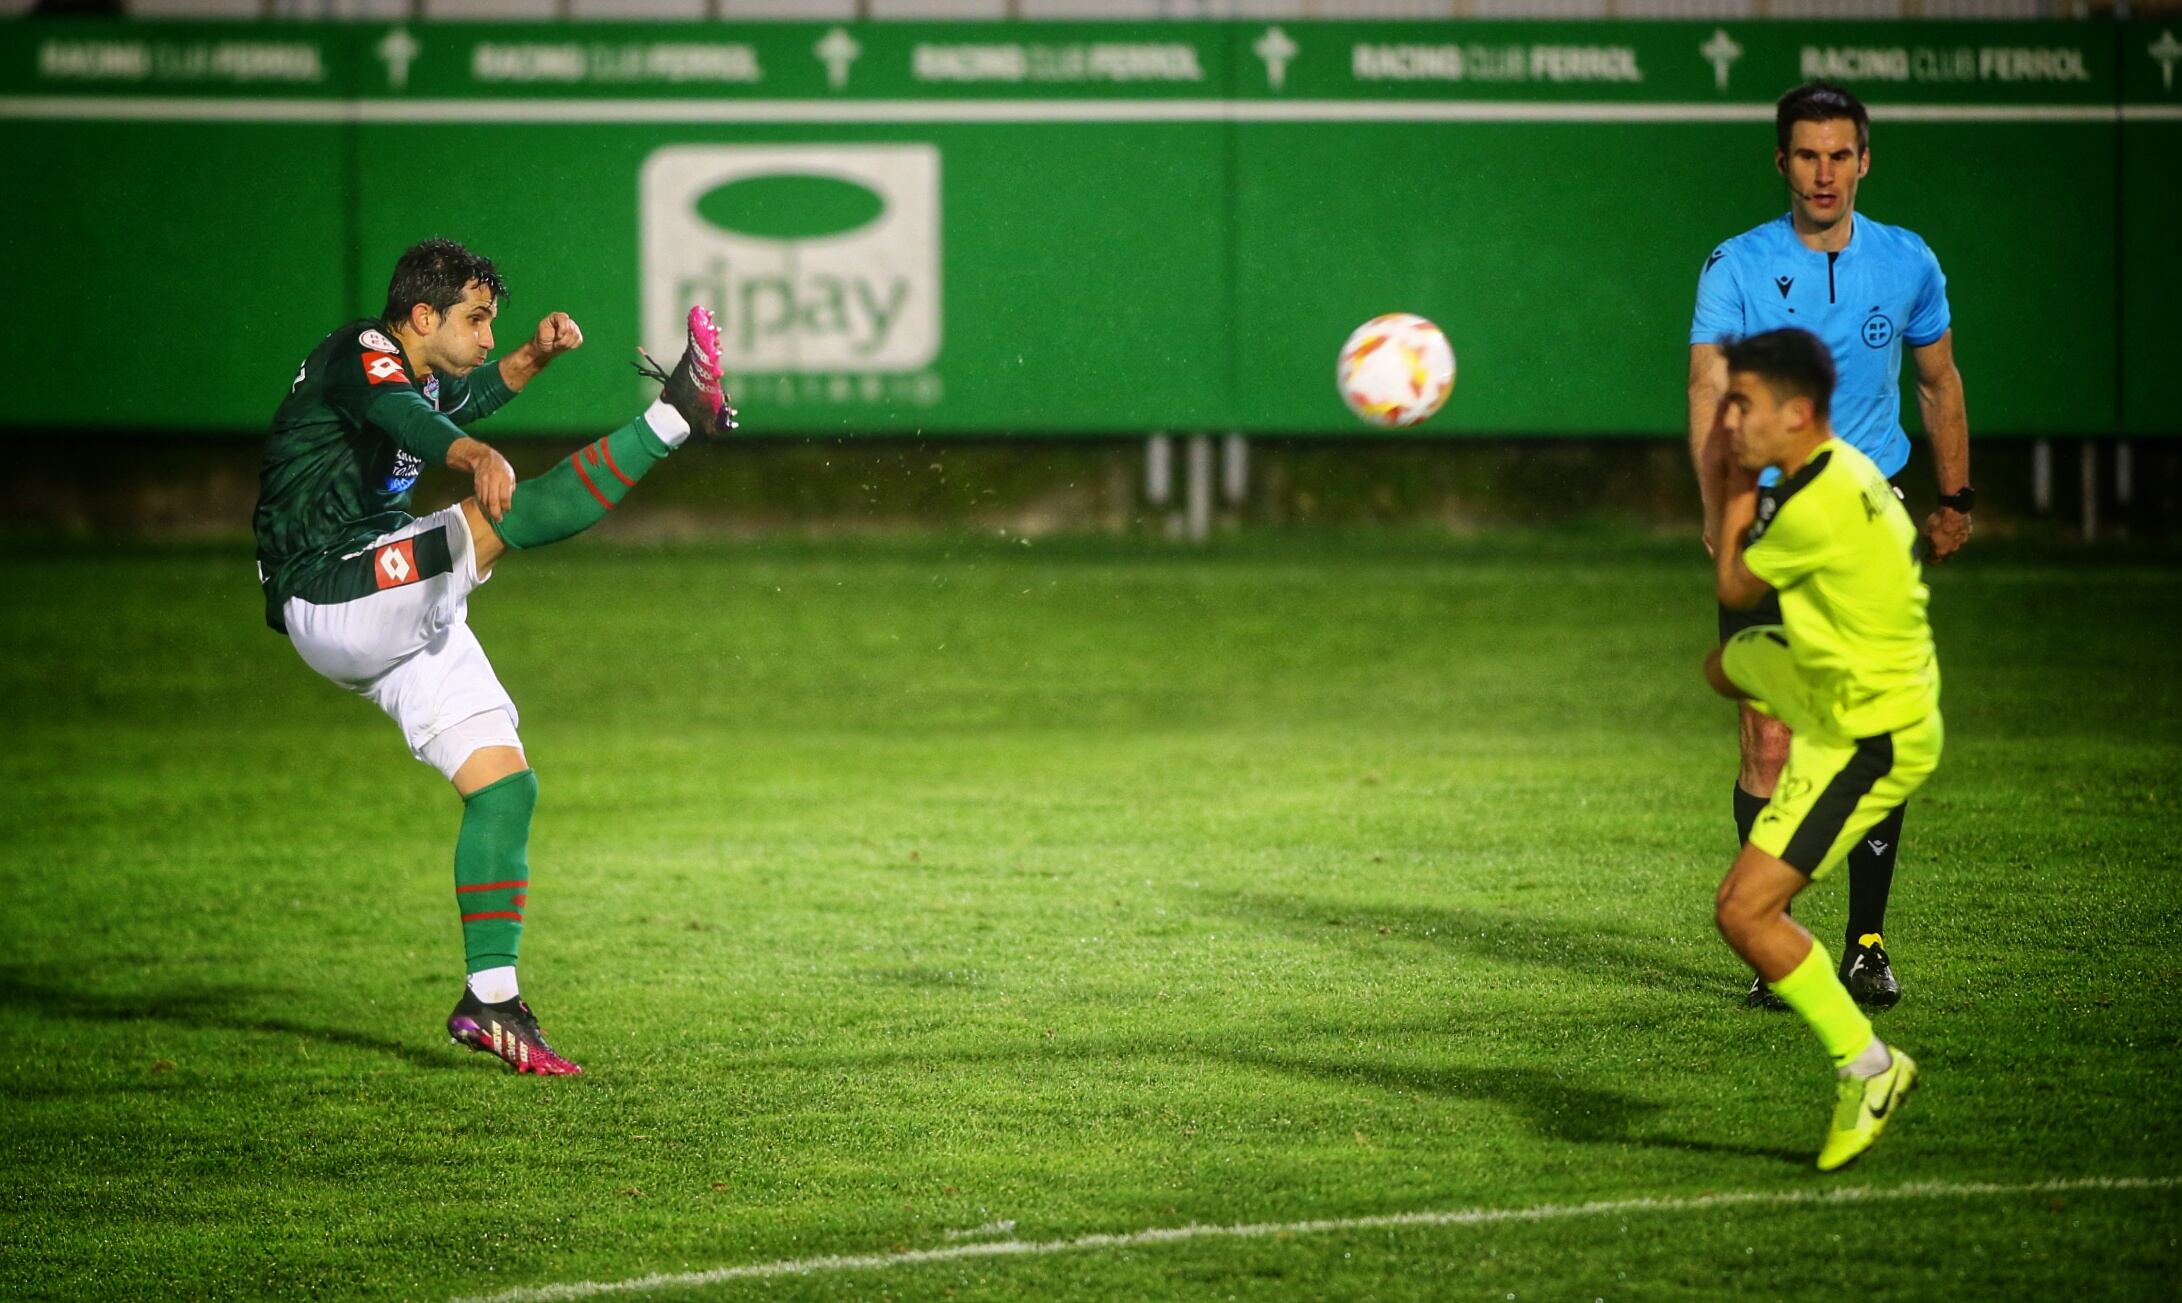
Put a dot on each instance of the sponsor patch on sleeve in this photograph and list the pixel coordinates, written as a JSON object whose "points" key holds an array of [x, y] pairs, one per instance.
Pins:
{"points": [[373, 339], [402, 476], [395, 564], [384, 369]]}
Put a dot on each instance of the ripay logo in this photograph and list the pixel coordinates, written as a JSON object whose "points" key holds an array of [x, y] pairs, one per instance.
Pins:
{"points": [[813, 258]]}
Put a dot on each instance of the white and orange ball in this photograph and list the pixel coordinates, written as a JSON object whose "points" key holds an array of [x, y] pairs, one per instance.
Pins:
{"points": [[1396, 370]]}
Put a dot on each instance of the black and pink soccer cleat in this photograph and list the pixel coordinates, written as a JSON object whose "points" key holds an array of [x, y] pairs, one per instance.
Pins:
{"points": [[509, 1030], [693, 387]]}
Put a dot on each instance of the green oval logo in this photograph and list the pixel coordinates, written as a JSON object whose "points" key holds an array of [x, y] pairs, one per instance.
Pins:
{"points": [[790, 206]]}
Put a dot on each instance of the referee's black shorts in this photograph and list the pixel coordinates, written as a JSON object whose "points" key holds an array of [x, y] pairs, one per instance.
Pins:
{"points": [[1767, 611]]}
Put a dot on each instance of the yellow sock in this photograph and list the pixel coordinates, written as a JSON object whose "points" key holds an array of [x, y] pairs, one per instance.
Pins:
{"points": [[1817, 995]]}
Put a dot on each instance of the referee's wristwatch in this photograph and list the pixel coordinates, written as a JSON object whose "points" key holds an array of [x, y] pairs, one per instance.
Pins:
{"points": [[1961, 499]]}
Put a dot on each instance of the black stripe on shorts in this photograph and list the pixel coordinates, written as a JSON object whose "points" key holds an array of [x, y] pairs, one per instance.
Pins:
{"points": [[1830, 813]]}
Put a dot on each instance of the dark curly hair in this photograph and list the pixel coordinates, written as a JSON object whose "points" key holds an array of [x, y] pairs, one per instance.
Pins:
{"points": [[437, 273]]}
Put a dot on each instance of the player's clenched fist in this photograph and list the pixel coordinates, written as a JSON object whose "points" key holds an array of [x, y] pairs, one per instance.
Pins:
{"points": [[491, 476], [557, 334]]}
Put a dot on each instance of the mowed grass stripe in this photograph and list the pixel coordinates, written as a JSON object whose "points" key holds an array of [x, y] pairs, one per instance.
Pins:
{"points": [[1158, 1235]]}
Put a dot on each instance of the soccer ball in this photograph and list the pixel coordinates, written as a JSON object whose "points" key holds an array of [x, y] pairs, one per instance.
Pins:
{"points": [[1396, 370]]}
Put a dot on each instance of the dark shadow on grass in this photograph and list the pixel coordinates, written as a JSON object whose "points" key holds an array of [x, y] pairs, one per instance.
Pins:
{"points": [[1499, 938], [1558, 1106], [1550, 1103], [212, 1008], [1800, 1159]]}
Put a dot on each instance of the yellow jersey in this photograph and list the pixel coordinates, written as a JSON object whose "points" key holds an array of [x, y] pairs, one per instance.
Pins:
{"points": [[1839, 547]]}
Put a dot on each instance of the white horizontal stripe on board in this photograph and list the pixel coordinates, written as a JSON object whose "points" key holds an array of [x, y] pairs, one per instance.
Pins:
{"points": [[59, 108]]}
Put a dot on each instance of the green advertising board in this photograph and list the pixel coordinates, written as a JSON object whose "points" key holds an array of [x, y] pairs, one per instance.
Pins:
{"points": [[1036, 228]]}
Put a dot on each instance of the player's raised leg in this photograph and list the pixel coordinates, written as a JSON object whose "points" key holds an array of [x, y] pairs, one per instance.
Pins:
{"points": [[1872, 1078], [482, 756], [1764, 743], [1865, 968], [580, 491], [1831, 792]]}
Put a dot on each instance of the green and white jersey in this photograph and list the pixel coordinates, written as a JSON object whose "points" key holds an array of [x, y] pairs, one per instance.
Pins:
{"points": [[1840, 549], [347, 446]]}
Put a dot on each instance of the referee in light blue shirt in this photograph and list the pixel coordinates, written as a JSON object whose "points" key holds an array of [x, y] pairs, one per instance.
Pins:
{"points": [[1868, 290]]}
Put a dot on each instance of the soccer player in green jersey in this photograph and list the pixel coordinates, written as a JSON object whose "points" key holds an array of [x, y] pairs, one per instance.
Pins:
{"points": [[1850, 669], [378, 601]]}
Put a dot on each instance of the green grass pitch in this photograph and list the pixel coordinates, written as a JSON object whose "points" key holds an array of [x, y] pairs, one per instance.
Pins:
{"points": [[904, 896]]}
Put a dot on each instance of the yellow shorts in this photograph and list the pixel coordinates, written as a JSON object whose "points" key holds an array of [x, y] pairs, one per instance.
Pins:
{"points": [[1833, 788]]}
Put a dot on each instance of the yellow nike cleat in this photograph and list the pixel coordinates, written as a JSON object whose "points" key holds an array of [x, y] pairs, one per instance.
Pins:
{"points": [[1862, 1108]]}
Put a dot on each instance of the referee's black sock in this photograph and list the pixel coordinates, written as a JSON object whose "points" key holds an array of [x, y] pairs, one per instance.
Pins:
{"points": [[1871, 876]]}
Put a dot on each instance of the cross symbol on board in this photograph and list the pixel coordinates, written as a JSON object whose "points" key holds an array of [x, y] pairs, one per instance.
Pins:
{"points": [[837, 50], [1276, 49], [1721, 52], [398, 50], [2166, 49]]}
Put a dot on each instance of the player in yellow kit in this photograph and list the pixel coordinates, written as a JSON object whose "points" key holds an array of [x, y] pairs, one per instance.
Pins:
{"points": [[1850, 669]]}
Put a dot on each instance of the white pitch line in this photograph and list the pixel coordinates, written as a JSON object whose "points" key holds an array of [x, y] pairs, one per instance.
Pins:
{"points": [[1849, 1194]]}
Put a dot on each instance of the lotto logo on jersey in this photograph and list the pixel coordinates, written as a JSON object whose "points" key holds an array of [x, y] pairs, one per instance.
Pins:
{"points": [[395, 564], [814, 258], [384, 368]]}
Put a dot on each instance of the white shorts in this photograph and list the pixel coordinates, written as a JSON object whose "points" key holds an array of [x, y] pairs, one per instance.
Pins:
{"points": [[408, 646]]}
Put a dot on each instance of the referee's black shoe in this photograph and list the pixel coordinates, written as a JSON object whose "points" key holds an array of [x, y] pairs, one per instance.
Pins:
{"points": [[1868, 975], [1761, 996]]}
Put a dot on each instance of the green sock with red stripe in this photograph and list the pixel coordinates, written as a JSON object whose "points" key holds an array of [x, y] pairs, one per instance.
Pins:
{"points": [[492, 869], [580, 489]]}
